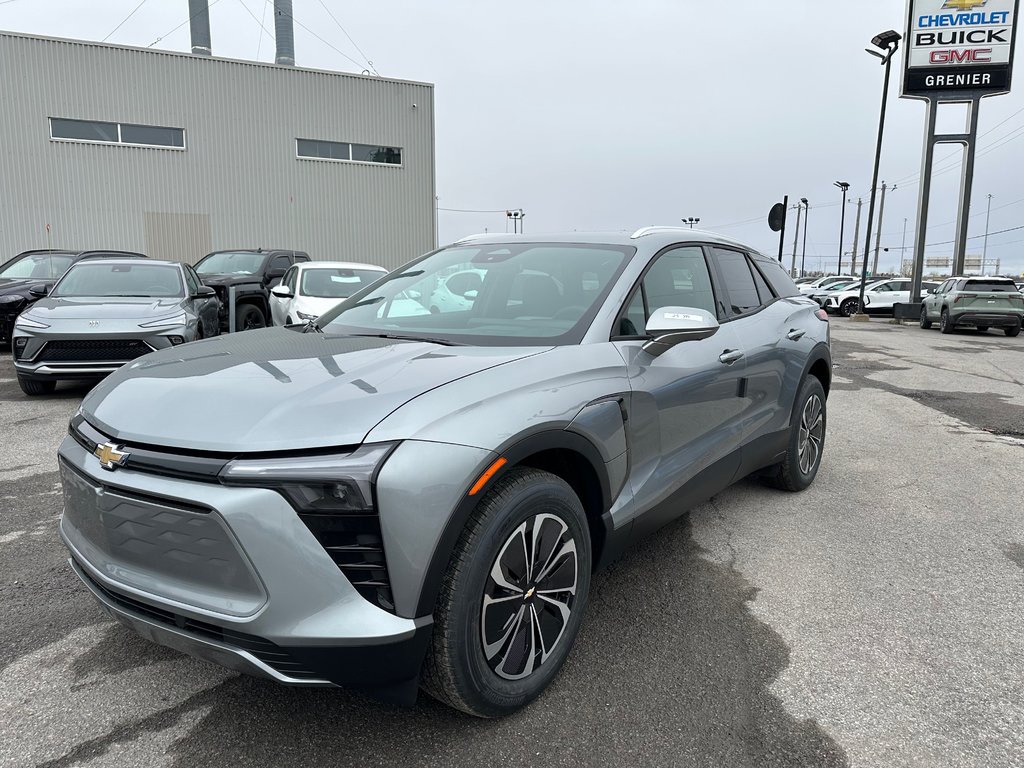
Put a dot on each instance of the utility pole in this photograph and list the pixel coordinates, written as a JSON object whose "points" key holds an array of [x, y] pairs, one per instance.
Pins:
{"points": [[796, 239], [903, 249], [988, 215], [878, 234], [856, 238], [807, 224]]}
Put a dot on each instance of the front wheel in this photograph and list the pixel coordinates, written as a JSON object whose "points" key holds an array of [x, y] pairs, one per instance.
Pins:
{"points": [[806, 440], [925, 322], [36, 387], [249, 318], [848, 307], [513, 597]]}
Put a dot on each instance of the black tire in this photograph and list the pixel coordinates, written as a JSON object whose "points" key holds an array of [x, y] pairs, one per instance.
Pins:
{"points": [[1014, 331], [925, 322], [35, 387], [249, 317], [945, 324], [457, 670], [793, 473], [848, 307]]}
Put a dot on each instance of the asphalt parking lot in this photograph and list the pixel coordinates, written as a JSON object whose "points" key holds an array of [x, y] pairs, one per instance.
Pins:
{"points": [[873, 620]]}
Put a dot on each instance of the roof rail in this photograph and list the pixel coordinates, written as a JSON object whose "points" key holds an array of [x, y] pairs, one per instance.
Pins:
{"points": [[643, 231]]}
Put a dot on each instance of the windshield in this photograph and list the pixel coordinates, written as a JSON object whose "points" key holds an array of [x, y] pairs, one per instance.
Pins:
{"points": [[336, 282], [229, 263], [497, 294], [40, 266], [96, 279]]}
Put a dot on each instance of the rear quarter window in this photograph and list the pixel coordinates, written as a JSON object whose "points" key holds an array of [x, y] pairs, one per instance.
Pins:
{"points": [[780, 281]]}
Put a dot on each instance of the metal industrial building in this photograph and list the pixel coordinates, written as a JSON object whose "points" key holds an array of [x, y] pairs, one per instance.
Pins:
{"points": [[176, 155]]}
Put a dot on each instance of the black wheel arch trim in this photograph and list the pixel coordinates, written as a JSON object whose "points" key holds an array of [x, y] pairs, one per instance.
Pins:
{"points": [[820, 353], [515, 451]]}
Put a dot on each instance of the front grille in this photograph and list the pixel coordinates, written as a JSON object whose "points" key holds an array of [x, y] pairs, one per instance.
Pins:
{"points": [[269, 653], [356, 546], [94, 350]]}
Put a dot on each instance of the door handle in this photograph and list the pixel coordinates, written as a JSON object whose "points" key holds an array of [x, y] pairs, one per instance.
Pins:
{"points": [[730, 356], [795, 334]]}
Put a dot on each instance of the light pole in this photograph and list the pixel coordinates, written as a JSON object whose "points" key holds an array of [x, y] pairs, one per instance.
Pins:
{"points": [[691, 221], [796, 239], [888, 42], [807, 222], [844, 186], [984, 250]]}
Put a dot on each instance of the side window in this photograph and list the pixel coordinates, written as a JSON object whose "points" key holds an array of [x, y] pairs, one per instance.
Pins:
{"points": [[763, 291], [633, 320], [680, 278], [780, 281], [191, 280], [739, 282], [279, 262], [288, 281]]}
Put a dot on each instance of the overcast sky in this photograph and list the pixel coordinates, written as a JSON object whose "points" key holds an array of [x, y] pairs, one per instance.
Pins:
{"points": [[609, 116]]}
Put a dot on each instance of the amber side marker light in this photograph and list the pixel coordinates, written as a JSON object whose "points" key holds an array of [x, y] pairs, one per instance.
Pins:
{"points": [[479, 484]]}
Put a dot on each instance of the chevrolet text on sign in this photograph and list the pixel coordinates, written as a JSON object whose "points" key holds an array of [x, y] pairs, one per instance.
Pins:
{"points": [[959, 45]]}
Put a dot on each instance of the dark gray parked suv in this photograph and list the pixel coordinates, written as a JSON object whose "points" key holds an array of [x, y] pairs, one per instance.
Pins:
{"points": [[388, 500]]}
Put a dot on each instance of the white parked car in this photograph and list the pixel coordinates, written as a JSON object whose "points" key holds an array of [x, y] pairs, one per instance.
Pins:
{"points": [[309, 289], [807, 289], [879, 296]]}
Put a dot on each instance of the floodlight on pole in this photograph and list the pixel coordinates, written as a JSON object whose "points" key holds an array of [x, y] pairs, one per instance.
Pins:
{"points": [[889, 42], [691, 221]]}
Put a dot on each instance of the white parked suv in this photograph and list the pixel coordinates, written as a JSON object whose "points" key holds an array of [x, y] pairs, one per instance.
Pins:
{"points": [[815, 286], [309, 289], [879, 297]]}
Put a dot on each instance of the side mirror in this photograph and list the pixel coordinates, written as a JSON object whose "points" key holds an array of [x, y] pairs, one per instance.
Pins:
{"points": [[669, 326], [472, 293], [414, 294], [282, 292], [41, 290], [204, 292]]}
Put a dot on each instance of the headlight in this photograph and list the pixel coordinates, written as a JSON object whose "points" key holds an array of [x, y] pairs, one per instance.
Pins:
{"points": [[24, 321], [304, 316], [165, 322], [319, 484]]}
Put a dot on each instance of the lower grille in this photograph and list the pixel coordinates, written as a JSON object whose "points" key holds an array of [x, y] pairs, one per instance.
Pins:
{"points": [[269, 653], [356, 546], [94, 350]]}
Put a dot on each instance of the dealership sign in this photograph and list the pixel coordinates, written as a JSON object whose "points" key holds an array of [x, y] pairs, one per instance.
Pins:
{"points": [[959, 46]]}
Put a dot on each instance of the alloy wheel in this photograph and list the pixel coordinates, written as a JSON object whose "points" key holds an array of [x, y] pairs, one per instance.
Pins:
{"points": [[812, 428], [529, 596]]}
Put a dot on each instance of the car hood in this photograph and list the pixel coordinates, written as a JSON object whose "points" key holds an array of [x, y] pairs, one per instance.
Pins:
{"points": [[276, 389], [143, 308], [215, 280]]}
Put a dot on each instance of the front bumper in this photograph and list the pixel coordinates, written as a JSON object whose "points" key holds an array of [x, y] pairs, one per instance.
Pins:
{"points": [[57, 356], [231, 575]]}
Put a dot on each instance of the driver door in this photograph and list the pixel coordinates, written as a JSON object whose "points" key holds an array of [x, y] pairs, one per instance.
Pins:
{"points": [[279, 306], [685, 408]]}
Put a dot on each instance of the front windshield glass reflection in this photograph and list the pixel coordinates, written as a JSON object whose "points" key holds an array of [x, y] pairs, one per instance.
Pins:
{"points": [[505, 294]]}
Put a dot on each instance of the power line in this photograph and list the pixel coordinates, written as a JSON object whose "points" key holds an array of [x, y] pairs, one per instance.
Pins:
{"points": [[186, 21], [325, 42], [125, 19], [354, 43], [975, 237], [259, 44]]}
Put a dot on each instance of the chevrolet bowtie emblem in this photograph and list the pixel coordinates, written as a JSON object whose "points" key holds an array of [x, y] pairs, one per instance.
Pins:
{"points": [[110, 456], [963, 5]]}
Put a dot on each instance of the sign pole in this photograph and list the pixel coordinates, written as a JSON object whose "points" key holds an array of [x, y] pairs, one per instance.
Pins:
{"points": [[925, 191], [966, 185]]}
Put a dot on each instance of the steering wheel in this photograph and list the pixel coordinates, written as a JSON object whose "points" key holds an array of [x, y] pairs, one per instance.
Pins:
{"points": [[573, 312]]}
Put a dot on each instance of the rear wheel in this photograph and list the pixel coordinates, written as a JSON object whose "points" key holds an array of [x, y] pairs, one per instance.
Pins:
{"points": [[249, 317], [806, 440], [1014, 331], [925, 322], [35, 387], [848, 307], [513, 598], [945, 324]]}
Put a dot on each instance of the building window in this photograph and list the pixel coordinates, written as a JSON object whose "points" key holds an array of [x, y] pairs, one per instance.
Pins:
{"points": [[63, 129], [313, 149]]}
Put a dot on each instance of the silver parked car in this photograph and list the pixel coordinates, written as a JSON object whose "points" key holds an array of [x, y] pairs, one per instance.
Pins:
{"points": [[105, 312], [387, 500]]}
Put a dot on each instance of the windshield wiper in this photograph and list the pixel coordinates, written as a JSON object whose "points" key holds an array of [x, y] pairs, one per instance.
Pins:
{"points": [[312, 327], [409, 337]]}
